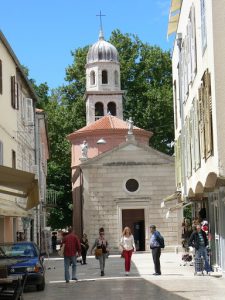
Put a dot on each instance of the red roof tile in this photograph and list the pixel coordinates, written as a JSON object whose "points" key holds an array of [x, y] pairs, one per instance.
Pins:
{"points": [[108, 122]]}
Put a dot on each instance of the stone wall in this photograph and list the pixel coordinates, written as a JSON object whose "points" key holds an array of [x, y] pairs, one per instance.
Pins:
{"points": [[105, 194]]}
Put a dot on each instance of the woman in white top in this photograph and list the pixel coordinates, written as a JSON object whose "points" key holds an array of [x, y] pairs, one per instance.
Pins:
{"points": [[128, 246]]}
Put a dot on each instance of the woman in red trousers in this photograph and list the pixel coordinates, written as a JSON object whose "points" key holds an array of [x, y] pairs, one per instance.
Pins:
{"points": [[128, 246]]}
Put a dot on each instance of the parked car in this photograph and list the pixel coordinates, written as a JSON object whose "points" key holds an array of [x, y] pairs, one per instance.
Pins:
{"points": [[24, 258]]}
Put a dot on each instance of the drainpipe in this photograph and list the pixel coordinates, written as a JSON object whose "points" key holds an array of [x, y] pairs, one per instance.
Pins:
{"points": [[37, 162]]}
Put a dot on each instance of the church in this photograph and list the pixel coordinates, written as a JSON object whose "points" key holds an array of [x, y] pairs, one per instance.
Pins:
{"points": [[117, 179]]}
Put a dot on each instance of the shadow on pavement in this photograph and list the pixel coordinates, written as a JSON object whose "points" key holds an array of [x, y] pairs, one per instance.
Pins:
{"points": [[91, 286]]}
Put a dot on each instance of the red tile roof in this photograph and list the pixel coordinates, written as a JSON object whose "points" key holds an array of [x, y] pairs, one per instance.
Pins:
{"points": [[108, 122]]}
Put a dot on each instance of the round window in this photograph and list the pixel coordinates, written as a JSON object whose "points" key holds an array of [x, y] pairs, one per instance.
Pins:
{"points": [[132, 185]]}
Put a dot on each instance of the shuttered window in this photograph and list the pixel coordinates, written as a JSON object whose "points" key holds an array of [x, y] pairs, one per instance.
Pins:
{"points": [[1, 80], [14, 93], [1, 153], [196, 135], [205, 116], [203, 25], [188, 149], [29, 111], [178, 162], [201, 121], [13, 159], [208, 114]]}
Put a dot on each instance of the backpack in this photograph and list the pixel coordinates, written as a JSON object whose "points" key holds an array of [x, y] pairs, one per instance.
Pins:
{"points": [[160, 239]]}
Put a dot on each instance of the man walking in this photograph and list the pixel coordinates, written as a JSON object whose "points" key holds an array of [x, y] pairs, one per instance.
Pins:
{"points": [[71, 249], [199, 241], [156, 248]]}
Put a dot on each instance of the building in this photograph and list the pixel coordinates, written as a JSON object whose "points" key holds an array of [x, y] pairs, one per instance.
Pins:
{"points": [[19, 140], [198, 83], [117, 179]]}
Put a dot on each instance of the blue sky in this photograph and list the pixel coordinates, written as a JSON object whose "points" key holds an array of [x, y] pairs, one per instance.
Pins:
{"points": [[43, 33]]}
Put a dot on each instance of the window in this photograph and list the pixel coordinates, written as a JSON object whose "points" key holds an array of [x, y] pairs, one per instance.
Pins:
{"points": [[104, 77], [203, 26], [178, 159], [99, 110], [112, 108], [0, 76], [132, 185], [13, 159], [196, 135], [205, 116], [116, 77], [92, 75], [175, 101], [29, 112], [1, 153], [193, 47], [14, 93]]}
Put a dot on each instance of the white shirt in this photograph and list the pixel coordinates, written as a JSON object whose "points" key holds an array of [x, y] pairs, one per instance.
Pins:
{"points": [[127, 242]]}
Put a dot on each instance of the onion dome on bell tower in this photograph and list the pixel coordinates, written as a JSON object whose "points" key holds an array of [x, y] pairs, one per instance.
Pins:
{"points": [[103, 90]]}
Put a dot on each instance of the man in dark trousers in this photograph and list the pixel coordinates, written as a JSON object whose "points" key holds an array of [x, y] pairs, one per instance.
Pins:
{"points": [[71, 250], [199, 241], [156, 249]]}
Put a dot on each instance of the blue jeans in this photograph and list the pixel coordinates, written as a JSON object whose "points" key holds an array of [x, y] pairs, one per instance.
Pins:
{"points": [[102, 261], [202, 252], [67, 261]]}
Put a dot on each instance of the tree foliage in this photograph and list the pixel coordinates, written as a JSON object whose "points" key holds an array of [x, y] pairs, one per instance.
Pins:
{"points": [[146, 76]]}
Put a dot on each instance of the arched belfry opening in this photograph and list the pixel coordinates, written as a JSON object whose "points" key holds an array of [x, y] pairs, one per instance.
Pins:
{"points": [[104, 77], [116, 77], [99, 110], [92, 77], [111, 107]]}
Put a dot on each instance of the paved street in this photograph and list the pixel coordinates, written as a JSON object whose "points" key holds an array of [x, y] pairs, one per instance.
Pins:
{"points": [[177, 281]]}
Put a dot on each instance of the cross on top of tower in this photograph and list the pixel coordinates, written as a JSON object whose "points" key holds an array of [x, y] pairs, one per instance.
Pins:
{"points": [[101, 35]]}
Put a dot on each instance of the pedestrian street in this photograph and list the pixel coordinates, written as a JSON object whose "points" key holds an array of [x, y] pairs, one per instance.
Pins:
{"points": [[177, 282]]}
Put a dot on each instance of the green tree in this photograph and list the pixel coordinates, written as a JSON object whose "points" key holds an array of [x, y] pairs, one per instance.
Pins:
{"points": [[146, 75], [63, 118]]}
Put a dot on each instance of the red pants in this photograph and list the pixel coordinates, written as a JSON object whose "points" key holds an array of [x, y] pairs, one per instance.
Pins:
{"points": [[127, 256]]}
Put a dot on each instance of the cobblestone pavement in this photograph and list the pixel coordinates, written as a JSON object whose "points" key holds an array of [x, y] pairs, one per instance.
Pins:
{"points": [[177, 281]]}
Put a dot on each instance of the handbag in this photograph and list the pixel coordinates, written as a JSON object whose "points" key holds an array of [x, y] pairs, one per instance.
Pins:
{"points": [[122, 254], [61, 250], [98, 252]]}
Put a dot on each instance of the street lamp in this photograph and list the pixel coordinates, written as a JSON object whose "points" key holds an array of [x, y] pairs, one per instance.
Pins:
{"points": [[101, 141]]}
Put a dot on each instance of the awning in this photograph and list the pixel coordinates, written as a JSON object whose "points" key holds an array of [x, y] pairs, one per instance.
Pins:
{"points": [[176, 195], [173, 24], [11, 209], [20, 184], [178, 206], [175, 5]]}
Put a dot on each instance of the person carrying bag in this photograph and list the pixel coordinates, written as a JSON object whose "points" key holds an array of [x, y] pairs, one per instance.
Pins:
{"points": [[128, 247], [101, 247]]}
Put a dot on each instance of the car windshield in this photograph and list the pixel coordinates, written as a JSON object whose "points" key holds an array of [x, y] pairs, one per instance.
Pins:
{"points": [[17, 250]]}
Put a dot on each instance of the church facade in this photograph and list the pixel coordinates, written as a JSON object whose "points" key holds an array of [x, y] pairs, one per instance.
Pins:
{"points": [[117, 179]]}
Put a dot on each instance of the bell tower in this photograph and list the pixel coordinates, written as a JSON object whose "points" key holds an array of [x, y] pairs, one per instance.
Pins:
{"points": [[103, 90]]}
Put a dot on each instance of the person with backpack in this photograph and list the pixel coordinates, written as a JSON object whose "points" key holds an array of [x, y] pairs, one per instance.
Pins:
{"points": [[156, 243]]}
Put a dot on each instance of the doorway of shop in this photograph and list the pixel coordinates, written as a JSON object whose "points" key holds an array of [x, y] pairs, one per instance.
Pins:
{"points": [[134, 218]]}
